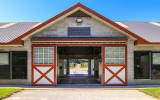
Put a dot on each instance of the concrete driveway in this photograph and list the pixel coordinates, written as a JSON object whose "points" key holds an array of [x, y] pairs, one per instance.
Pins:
{"points": [[80, 94]]}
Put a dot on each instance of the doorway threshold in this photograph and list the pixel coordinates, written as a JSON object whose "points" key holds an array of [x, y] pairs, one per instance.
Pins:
{"points": [[79, 86]]}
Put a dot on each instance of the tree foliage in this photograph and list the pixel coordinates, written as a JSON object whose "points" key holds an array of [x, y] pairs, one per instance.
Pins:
{"points": [[78, 61]]}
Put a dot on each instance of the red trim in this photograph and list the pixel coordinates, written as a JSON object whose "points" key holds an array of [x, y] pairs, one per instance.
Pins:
{"points": [[106, 66], [81, 40], [18, 41], [139, 39], [82, 45], [43, 75], [76, 45], [34, 67]]}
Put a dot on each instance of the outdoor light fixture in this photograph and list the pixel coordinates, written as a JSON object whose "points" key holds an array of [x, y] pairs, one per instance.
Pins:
{"points": [[79, 20]]}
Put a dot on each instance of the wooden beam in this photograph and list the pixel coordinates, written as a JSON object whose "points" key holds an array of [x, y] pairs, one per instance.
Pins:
{"points": [[62, 56]]}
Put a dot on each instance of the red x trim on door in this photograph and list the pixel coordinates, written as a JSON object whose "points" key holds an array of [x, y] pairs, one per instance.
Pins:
{"points": [[44, 65], [114, 74]]}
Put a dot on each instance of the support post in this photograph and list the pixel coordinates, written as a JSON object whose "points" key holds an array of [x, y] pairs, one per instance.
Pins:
{"points": [[68, 66], [89, 66]]}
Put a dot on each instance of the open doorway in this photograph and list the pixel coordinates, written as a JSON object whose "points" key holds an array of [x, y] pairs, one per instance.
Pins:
{"points": [[79, 65]]}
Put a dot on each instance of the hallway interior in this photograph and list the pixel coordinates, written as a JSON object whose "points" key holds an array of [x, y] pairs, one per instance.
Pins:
{"points": [[78, 79]]}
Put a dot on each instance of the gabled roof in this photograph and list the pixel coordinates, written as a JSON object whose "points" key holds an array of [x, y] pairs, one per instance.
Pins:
{"points": [[149, 31], [9, 32], [18, 35]]}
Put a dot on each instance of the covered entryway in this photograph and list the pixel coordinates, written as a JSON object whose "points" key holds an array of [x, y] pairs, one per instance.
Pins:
{"points": [[79, 65], [107, 61]]}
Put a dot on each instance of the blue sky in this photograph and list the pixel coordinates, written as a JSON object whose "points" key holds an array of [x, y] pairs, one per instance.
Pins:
{"points": [[42, 10]]}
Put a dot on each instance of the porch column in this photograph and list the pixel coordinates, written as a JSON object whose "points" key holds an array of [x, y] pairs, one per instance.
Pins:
{"points": [[68, 66], [96, 64], [92, 67], [89, 66]]}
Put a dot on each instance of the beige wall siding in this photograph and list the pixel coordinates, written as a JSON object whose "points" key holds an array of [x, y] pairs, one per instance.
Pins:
{"points": [[130, 67], [130, 64], [147, 81], [26, 47], [98, 29], [145, 48]]}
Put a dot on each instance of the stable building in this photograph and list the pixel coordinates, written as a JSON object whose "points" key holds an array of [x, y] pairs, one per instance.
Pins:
{"points": [[119, 53]]}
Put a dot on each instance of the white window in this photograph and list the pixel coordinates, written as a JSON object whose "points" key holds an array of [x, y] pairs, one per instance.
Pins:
{"points": [[114, 55], [4, 58], [156, 58], [43, 55]]}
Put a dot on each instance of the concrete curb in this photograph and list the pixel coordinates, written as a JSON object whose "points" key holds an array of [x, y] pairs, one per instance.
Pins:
{"points": [[79, 86]]}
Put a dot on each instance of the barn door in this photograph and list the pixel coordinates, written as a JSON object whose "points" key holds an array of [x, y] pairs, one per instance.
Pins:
{"points": [[44, 65], [114, 65]]}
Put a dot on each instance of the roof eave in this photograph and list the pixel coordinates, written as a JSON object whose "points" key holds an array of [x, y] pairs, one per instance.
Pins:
{"points": [[67, 12], [20, 39]]}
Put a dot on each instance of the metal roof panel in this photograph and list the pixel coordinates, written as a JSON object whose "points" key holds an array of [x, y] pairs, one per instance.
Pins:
{"points": [[10, 33], [146, 30]]}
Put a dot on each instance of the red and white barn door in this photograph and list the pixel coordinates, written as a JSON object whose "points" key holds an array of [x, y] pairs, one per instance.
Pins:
{"points": [[44, 65], [115, 65]]}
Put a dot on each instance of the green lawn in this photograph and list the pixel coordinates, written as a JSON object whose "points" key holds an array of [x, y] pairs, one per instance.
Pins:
{"points": [[72, 66], [84, 65], [5, 92], [155, 92]]}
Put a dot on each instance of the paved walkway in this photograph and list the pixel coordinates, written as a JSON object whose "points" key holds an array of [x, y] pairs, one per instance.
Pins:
{"points": [[78, 70], [78, 79], [80, 94], [78, 75], [98, 86]]}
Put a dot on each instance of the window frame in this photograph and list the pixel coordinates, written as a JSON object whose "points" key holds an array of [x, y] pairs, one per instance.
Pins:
{"points": [[152, 57], [77, 35], [9, 64], [153, 64], [43, 56], [11, 56], [149, 59], [125, 52], [150, 63], [8, 57]]}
